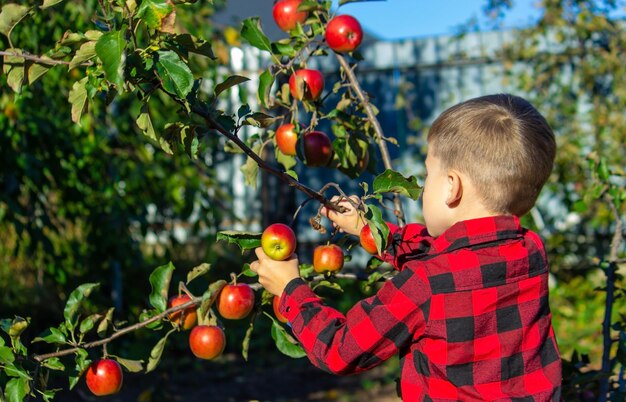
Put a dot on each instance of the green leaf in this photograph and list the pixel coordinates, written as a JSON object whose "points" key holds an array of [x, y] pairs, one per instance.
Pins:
{"points": [[104, 324], [54, 363], [287, 161], [245, 240], [157, 352], [152, 12], [133, 366], [230, 82], [174, 73], [10, 15], [36, 70], [51, 335], [246, 271], [285, 342], [251, 31], [50, 3], [245, 345], [329, 285], [13, 67], [82, 362], [78, 99], [87, 51], [380, 230], [6, 355], [88, 323], [393, 182], [76, 297], [266, 81], [146, 315], [144, 122], [160, 282], [195, 45], [17, 389], [198, 271], [110, 50]]}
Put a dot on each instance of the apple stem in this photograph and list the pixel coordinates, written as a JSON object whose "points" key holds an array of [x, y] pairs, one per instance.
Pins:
{"points": [[233, 278]]}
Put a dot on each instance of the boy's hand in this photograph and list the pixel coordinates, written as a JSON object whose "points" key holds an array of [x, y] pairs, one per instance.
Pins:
{"points": [[275, 275], [350, 221]]}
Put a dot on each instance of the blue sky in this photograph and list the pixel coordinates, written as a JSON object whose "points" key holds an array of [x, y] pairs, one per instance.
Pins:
{"points": [[398, 19]]}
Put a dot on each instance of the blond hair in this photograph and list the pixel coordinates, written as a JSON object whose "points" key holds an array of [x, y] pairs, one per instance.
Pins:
{"points": [[502, 143]]}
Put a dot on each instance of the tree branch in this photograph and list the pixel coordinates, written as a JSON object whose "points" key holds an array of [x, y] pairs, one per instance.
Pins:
{"points": [[212, 123], [380, 138], [193, 302], [41, 60]]}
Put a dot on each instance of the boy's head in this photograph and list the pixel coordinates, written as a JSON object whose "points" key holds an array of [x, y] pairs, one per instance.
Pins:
{"points": [[502, 144]]}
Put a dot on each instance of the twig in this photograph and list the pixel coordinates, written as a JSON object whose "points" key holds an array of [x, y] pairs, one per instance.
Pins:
{"points": [[121, 332], [39, 59], [212, 123], [380, 138]]}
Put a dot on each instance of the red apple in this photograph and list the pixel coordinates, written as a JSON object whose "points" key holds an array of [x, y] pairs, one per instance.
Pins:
{"points": [[318, 150], [286, 139], [367, 240], [286, 14], [344, 33], [306, 84], [104, 377], [279, 316], [207, 341], [188, 315], [327, 258], [278, 241], [235, 301]]}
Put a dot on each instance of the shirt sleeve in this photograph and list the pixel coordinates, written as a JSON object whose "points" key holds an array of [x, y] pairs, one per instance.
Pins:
{"points": [[408, 242], [372, 331]]}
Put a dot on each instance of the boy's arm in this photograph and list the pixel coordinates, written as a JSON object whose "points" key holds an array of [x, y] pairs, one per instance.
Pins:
{"points": [[413, 239], [408, 242], [371, 332]]}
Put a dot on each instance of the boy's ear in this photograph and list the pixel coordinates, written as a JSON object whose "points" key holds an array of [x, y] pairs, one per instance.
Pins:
{"points": [[455, 189]]}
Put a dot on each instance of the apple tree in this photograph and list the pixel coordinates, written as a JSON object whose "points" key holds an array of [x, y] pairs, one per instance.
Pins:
{"points": [[130, 60]]}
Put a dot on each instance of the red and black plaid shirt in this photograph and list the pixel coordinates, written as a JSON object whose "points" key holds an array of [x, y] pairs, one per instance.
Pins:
{"points": [[467, 313]]}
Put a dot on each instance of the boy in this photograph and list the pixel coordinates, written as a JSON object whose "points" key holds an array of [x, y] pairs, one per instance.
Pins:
{"points": [[468, 312]]}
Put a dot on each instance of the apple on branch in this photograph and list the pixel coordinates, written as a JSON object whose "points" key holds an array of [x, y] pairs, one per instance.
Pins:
{"points": [[104, 377], [327, 258], [306, 84], [235, 301], [286, 139], [207, 341], [343, 33], [317, 149], [286, 14], [187, 318], [367, 240]]}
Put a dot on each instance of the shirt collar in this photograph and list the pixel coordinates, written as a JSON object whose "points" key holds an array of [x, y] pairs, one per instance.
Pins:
{"points": [[478, 231]]}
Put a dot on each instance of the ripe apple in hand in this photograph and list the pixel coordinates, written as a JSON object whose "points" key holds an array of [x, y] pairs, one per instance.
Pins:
{"points": [[367, 240], [286, 139], [278, 241], [318, 149], [189, 313], [306, 84], [327, 258], [279, 316], [235, 301], [286, 14], [104, 377], [344, 33], [207, 341]]}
